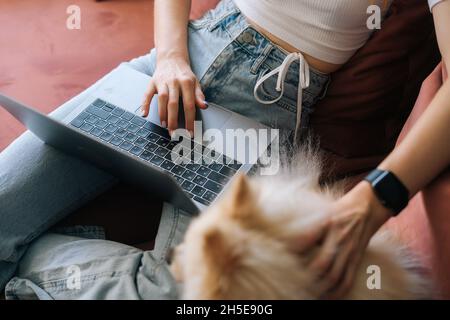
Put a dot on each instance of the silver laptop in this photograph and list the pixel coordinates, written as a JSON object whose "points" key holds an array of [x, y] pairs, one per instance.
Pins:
{"points": [[107, 130]]}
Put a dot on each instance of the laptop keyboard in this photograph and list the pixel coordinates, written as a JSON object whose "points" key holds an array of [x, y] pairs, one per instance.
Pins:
{"points": [[203, 175]]}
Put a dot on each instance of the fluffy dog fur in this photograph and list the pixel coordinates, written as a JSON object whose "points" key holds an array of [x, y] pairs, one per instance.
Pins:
{"points": [[242, 247]]}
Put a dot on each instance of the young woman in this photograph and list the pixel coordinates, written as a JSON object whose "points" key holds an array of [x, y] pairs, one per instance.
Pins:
{"points": [[233, 56]]}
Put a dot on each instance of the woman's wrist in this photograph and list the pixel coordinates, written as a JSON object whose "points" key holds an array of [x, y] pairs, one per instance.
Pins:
{"points": [[364, 195], [172, 54]]}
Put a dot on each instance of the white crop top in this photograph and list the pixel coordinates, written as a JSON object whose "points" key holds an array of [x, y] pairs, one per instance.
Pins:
{"points": [[329, 30]]}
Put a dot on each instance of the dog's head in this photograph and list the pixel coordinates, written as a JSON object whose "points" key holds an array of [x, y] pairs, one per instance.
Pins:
{"points": [[236, 251]]}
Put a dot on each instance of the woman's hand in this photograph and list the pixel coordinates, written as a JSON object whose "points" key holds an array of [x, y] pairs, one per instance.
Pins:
{"points": [[353, 220], [173, 78]]}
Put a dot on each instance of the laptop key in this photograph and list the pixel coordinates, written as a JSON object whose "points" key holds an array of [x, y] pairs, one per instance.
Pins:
{"points": [[121, 133], [77, 122], [136, 150], [202, 201], [101, 124], [106, 136], [99, 103], [227, 171], [92, 119], [126, 145], [116, 141], [217, 177], [187, 185], [87, 127], [210, 153], [151, 147], [137, 120], [193, 166], [143, 133], [161, 152], [146, 155], [163, 142], [226, 160], [153, 137], [203, 171], [130, 137], [108, 107], [167, 165], [133, 128], [212, 186], [235, 165], [171, 145], [200, 180], [113, 119], [98, 112], [127, 116], [118, 112], [168, 156], [209, 196], [140, 142], [179, 179], [215, 166], [96, 132], [189, 175], [199, 148], [178, 170], [198, 191], [111, 128], [122, 124], [157, 160]]}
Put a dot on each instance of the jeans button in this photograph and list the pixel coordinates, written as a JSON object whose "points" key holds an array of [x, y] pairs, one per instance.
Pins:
{"points": [[247, 37]]}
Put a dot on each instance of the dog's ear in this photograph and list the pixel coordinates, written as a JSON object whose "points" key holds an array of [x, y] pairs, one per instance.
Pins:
{"points": [[240, 203], [217, 249], [222, 261]]}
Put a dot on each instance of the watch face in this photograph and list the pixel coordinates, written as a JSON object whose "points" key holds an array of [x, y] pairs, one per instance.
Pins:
{"points": [[390, 191]]}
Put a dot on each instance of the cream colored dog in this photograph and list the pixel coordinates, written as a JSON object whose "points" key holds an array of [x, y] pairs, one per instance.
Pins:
{"points": [[244, 246]]}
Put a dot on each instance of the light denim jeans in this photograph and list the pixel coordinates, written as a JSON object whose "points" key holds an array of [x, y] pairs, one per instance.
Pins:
{"points": [[39, 185]]}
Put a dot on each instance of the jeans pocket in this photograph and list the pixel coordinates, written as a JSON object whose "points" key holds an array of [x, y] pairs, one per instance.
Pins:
{"points": [[224, 12], [202, 22]]}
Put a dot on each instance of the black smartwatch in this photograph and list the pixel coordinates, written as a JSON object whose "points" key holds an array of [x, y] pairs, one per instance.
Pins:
{"points": [[391, 192]]}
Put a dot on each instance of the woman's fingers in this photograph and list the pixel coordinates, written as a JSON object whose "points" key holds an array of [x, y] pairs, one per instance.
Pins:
{"points": [[347, 281], [188, 95], [172, 106], [200, 97], [326, 255], [163, 99], [337, 270], [151, 91], [309, 238], [169, 93]]}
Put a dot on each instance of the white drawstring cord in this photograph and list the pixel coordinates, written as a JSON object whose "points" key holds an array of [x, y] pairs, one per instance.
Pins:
{"points": [[303, 83]]}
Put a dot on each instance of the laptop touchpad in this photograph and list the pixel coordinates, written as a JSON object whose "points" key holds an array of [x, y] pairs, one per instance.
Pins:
{"points": [[213, 117]]}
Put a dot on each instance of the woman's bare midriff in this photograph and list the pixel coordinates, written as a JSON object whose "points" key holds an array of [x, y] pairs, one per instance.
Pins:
{"points": [[322, 66]]}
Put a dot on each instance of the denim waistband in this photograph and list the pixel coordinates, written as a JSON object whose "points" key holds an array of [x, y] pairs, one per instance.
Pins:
{"points": [[228, 16]]}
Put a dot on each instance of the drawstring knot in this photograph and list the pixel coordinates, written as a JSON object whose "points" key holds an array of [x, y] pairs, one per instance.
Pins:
{"points": [[303, 83]]}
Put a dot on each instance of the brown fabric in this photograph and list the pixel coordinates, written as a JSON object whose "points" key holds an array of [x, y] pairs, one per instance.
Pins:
{"points": [[369, 99]]}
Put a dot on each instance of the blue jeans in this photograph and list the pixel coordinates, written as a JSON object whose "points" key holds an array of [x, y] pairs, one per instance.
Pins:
{"points": [[39, 185]]}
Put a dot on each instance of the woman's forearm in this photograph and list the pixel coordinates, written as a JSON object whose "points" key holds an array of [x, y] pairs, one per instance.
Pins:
{"points": [[425, 152], [441, 15], [171, 25]]}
